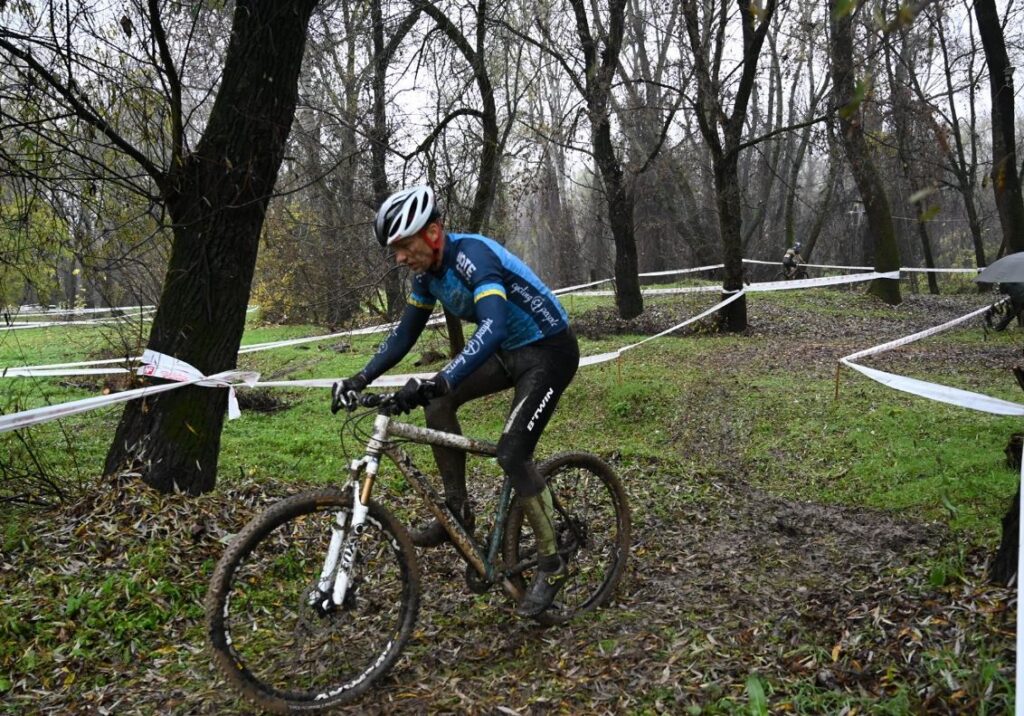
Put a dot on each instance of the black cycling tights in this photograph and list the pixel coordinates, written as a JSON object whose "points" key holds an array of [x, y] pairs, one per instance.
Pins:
{"points": [[540, 373]]}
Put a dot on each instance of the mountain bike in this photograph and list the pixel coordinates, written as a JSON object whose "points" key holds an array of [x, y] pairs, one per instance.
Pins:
{"points": [[315, 598], [790, 273]]}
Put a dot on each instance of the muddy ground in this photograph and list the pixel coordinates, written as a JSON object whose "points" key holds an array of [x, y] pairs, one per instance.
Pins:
{"points": [[828, 605]]}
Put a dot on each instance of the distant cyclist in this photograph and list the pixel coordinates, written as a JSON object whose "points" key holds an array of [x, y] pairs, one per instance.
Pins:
{"points": [[522, 341], [792, 263], [999, 318]]}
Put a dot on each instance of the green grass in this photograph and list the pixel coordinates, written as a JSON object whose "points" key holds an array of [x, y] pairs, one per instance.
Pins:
{"points": [[872, 446], [672, 414], [879, 448]]}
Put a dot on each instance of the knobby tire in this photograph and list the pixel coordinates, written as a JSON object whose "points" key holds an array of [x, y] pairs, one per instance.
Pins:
{"points": [[592, 524], [278, 650]]}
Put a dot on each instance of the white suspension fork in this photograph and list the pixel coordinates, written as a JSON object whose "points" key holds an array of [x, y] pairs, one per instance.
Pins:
{"points": [[341, 552]]}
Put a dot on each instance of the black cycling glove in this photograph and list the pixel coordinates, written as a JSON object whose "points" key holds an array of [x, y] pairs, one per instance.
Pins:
{"points": [[345, 393], [417, 392]]}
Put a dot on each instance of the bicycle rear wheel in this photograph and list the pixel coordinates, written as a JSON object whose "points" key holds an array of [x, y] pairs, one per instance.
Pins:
{"points": [[272, 641], [592, 524]]}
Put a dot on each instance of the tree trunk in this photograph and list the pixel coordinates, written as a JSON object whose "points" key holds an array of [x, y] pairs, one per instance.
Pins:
{"points": [[600, 67], [628, 300], [869, 184], [216, 198], [1005, 180], [824, 202], [727, 194], [380, 137], [911, 154], [926, 248], [965, 171], [343, 305], [725, 149]]}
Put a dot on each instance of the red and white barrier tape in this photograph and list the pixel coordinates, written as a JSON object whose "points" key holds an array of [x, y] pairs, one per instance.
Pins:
{"points": [[156, 365]]}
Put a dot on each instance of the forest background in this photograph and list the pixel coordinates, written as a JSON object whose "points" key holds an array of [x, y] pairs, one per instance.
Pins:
{"points": [[154, 150], [204, 156]]}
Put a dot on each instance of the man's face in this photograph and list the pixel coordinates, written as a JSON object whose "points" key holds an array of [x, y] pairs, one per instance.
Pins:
{"points": [[415, 251]]}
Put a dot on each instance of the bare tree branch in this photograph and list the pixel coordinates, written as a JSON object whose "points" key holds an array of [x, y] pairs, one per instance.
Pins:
{"points": [[83, 111], [173, 82]]}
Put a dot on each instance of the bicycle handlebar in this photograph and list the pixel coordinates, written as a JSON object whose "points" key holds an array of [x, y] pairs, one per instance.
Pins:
{"points": [[372, 400], [384, 402]]}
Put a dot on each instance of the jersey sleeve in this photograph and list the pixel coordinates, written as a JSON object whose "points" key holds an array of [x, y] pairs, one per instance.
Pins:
{"points": [[417, 311], [490, 331], [491, 313]]}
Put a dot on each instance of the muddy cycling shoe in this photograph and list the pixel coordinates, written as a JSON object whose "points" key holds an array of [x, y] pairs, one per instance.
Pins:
{"points": [[433, 534], [542, 591]]}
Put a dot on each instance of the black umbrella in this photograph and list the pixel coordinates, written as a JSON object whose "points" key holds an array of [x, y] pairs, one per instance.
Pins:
{"points": [[1009, 269]]}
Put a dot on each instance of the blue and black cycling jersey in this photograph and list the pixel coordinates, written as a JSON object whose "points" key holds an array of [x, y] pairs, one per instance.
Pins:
{"points": [[478, 281]]}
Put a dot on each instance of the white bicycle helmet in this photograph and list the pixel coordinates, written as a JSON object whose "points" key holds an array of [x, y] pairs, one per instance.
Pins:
{"points": [[404, 213]]}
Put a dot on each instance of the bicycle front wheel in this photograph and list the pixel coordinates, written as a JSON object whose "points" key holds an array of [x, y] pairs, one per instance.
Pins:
{"points": [[592, 525], [270, 636]]}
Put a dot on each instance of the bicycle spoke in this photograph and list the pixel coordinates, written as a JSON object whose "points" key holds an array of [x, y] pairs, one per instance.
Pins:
{"points": [[591, 528], [285, 648]]}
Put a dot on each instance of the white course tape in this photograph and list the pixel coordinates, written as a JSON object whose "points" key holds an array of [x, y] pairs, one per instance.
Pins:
{"points": [[940, 393], [823, 281], [568, 289], [158, 365], [58, 372], [380, 328], [933, 391], [77, 311], [656, 291], [916, 336], [695, 269], [385, 381], [673, 272], [687, 322], [826, 266], [20, 326], [600, 358], [939, 270], [162, 367], [67, 365], [87, 322], [27, 418], [612, 355], [763, 286], [866, 268]]}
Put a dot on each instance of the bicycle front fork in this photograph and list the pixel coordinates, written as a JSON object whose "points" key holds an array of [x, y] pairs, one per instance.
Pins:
{"points": [[334, 581]]}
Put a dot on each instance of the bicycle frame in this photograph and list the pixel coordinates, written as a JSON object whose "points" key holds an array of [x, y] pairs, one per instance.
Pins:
{"points": [[340, 557]]}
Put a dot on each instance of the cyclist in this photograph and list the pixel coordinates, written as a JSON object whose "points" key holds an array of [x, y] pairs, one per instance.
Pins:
{"points": [[792, 262], [522, 341], [1015, 291]]}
